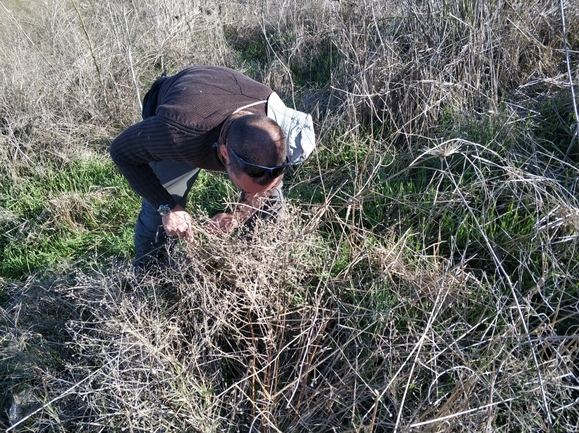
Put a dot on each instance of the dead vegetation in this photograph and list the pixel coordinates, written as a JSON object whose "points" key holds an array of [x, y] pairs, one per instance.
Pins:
{"points": [[425, 280], [222, 341]]}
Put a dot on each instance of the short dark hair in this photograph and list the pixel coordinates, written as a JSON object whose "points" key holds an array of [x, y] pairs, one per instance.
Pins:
{"points": [[257, 139]]}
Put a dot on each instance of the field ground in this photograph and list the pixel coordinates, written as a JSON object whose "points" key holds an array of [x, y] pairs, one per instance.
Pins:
{"points": [[426, 278]]}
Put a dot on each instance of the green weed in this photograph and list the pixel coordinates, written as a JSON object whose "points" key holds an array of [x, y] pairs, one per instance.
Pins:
{"points": [[65, 213]]}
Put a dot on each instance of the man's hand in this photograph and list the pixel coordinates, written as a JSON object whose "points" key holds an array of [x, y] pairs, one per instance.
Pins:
{"points": [[178, 223], [221, 223]]}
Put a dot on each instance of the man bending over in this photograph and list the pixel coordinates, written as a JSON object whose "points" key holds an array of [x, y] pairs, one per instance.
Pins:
{"points": [[211, 118]]}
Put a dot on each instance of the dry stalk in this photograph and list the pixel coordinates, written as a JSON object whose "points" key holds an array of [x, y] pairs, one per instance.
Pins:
{"points": [[89, 41], [575, 136]]}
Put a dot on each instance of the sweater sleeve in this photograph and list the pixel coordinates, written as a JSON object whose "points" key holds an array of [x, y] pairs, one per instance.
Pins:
{"points": [[155, 139]]}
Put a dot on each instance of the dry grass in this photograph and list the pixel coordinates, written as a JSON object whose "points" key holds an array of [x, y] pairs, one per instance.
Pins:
{"points": [[426, 279], [223, 341]]}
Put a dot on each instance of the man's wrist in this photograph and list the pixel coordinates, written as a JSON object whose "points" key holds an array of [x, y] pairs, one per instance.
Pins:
{"points": [[164, 210]]}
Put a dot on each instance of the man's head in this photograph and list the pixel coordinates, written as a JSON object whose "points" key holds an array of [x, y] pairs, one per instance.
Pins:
{"points": [[254, 149]]}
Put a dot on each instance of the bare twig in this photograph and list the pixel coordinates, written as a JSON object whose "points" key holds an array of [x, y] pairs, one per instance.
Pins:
{"points": [[130, 57], [570, 73], [464, 412], [89, 41], [51, 402]]}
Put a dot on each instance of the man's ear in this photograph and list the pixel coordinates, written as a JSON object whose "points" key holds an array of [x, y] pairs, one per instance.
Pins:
{"points": [[223, 152]]}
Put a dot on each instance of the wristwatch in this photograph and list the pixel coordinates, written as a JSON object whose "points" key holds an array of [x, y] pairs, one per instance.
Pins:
{"points": [[164, 210]]}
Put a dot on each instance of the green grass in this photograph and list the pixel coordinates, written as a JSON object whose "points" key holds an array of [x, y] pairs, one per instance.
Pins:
{"points": [[427, 276], [71, 212], [80, 211]]}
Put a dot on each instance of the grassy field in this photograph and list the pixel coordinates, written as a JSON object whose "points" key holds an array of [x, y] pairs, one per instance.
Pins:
{"points": [[427, 276]]}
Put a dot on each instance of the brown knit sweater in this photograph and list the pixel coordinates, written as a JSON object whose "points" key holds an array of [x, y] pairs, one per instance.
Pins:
{"points": [[191, 109]]}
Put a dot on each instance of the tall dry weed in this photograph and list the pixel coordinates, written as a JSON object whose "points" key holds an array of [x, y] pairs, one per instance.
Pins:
{"points": [[87, 65], [267, 335], [432, 287]]}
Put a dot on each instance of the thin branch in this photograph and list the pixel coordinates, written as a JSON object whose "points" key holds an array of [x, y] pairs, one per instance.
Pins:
{"points": [[51, 402], [90, 45], [464, 412], [569, 72], [130, 57]]}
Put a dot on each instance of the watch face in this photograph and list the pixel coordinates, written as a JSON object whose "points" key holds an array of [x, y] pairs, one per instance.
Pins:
{"points": [[164, 210]]}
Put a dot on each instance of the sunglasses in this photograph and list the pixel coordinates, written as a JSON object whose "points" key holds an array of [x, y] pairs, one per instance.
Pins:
{"points": [[257, 171]]}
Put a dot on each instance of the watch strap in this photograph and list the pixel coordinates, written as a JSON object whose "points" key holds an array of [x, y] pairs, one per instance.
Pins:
{"points": [[164, 210]]}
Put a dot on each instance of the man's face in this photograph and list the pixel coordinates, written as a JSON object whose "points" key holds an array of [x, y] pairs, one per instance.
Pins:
{"points": [[246, 183], [241, 180]]}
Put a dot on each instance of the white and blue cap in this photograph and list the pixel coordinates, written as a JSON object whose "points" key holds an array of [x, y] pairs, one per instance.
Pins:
{"points": [[297, 126]]}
